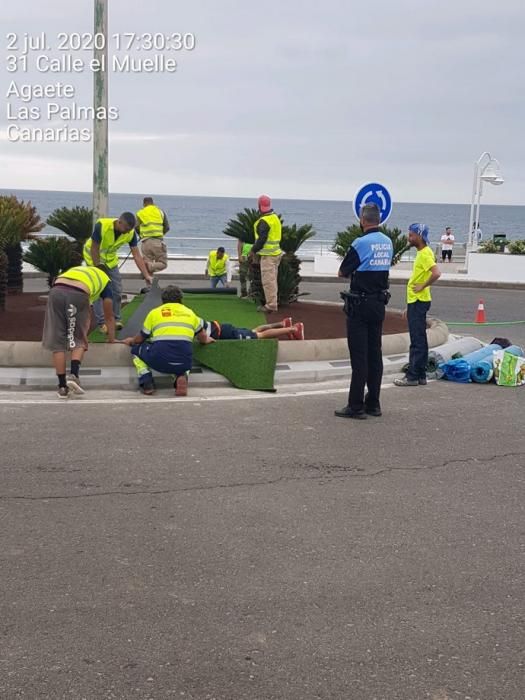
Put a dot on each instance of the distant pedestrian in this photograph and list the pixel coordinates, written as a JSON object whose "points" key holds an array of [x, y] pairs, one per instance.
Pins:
{"points": [[367, 264], [447, 245], [152, 226], [217, 267], [268, 232], [425, 272]]}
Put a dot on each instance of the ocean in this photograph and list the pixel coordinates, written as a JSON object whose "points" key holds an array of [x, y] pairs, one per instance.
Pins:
{"points": [[201, 218]]}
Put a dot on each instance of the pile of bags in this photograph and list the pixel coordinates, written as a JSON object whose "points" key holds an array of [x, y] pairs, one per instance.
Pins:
{"points": [[501, 361]]}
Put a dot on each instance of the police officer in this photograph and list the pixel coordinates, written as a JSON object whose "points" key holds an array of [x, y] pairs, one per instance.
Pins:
{"points": [[367, 264]]}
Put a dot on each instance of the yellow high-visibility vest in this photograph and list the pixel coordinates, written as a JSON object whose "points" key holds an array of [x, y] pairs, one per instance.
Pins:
{"points": [[151, 222], [172, 322], [271, 247], [95, 280], [216, 266], [109, 245]]}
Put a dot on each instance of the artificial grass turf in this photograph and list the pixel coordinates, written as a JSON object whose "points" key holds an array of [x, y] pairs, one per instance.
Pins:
{"points": [[247, 364]]}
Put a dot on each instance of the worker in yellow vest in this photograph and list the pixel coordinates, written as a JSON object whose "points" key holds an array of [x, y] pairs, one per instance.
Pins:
{"points": [[108, 236], [243, 252], [268, 231], [152, 226], [217, 267], [68, 317], [165, 342]]}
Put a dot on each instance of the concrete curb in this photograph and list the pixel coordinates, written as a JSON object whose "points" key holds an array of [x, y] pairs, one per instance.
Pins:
{"points": [[124, 378]]}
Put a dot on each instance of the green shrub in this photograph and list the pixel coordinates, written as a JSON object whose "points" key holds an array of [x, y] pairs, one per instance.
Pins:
{"points": [[489, 247], [344, 240], [517, 247]]}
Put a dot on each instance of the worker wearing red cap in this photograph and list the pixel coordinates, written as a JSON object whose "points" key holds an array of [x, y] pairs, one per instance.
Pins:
{"points": [[268, 232]]}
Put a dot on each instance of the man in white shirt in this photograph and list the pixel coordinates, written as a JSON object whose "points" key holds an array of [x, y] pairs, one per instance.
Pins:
{"points": [[447, 245]]}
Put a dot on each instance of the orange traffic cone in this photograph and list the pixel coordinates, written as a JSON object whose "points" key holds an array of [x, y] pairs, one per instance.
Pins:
{"points": [[480, 313]]}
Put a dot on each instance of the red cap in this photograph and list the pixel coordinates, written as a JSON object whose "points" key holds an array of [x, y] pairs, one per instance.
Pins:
{"points": [[264, 203]]}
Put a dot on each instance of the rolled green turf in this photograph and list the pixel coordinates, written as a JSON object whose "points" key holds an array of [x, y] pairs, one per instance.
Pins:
{"points": [[247, 364]]}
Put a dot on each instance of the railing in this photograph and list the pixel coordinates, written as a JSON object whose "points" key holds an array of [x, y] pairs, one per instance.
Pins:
{"points": [[199, 247]]}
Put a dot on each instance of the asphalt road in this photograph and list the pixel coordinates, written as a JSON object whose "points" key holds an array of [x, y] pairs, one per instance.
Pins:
{"points": [[263, 549]]}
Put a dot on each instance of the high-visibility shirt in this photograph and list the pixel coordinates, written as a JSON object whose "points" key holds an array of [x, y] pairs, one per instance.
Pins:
{"points": [[95, 280], [271, 247], [172, 322], [151, 222], [217, 266], [423, 264], [245, 250], [109, 243]]}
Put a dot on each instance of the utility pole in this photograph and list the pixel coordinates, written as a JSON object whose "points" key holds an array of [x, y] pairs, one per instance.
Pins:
{"points": [[100, 126]]}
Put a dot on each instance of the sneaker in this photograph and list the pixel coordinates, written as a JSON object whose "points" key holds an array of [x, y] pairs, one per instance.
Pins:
{"points": [[73, 383], [118, 326], [347, 412], [422, 381], [181, 385], [287, 322], [63, 392], [148, 389], [298, 332], [405, 381]]}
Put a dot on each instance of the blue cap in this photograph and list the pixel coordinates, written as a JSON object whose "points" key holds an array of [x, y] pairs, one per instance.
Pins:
{"points": [[421, 230]]}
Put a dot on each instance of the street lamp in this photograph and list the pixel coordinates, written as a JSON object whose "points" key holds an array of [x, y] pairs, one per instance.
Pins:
{"points": [[486, 169]]}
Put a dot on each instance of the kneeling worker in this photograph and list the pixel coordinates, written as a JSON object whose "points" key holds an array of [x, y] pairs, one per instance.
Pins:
{"points": [[165, 342], [68, 317], [217, 267]]}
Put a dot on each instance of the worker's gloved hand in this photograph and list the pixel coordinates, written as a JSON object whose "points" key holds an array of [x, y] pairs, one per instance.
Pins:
{"points": [[148, 279]]}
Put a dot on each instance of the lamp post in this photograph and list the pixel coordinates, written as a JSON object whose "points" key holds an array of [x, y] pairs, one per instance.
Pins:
{"points": [[100, 126], [486, 169]]}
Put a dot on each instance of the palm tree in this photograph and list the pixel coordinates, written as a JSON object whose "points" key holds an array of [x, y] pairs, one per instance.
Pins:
{"points": [[52, 255], [77, 223], [11, 221], [344, 240], [29, 223]]}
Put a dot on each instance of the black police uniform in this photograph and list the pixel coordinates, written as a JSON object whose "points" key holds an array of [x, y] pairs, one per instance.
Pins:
{"points": [[367, 263]]}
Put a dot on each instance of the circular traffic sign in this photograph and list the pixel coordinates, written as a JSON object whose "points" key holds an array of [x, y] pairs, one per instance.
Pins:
{"points": [[373, 193]]}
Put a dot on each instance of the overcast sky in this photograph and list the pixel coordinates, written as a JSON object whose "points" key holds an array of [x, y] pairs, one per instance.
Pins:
{"points": [[297, 98]]}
